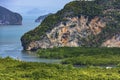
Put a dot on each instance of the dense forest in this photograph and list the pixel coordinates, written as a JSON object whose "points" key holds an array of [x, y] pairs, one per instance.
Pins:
{"points": [[18, 70], [83, 56]]}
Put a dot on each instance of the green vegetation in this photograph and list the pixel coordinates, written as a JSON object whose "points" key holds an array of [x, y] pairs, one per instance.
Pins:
{"points": [[97, 60], [71, 56], [83, 56], [17, 70]]}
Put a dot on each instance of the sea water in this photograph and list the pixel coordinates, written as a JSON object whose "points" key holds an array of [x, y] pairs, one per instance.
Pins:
{"points": [[10, 44]]}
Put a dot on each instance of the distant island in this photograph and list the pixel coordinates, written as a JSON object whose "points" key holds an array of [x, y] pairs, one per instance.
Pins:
{"points": [[41, 18], [8, 17]]}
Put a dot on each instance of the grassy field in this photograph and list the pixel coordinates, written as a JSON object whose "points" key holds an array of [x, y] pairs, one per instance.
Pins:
{"points": [[17, 70], [83, 56]]}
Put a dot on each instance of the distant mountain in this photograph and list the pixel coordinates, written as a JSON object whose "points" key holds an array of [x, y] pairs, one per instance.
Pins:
{"points": [[41, 18], [81, 23], [8, 17], [35, 12]]}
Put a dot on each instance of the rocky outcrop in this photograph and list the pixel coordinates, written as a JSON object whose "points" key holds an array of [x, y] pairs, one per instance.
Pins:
{"points": [[113, 42], [8, 17], [69, 33]]}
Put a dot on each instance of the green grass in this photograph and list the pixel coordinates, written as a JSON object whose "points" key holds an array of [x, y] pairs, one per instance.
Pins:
{"points": [[17, 70], [83, 56]]}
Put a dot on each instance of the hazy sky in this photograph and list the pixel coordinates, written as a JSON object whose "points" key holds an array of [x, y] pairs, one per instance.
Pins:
{"points": [[34, 7]]}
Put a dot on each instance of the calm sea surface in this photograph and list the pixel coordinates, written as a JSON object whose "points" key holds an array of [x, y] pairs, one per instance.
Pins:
{"points": [[10, 44]]}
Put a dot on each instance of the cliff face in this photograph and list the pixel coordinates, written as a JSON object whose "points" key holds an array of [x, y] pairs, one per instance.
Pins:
{"points": [[9, 18], [91, 26], [113, 42], [70, 33]]}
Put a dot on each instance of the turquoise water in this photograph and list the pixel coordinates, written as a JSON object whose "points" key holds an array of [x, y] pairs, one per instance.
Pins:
{"points": [[10, 44]]}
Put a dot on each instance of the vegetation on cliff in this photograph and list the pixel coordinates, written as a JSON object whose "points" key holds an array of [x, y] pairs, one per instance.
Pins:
{"points": [[17, 70]]}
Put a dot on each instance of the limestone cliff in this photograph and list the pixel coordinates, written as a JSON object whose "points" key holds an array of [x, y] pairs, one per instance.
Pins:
{"points": [[80, 23], [70, 33], [8, 17]]}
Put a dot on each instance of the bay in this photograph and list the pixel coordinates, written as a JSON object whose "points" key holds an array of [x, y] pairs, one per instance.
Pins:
{"points": [[10, 44]]}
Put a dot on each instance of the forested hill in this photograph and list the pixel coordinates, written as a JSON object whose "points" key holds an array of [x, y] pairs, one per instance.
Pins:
{"points": [[80, 23]]}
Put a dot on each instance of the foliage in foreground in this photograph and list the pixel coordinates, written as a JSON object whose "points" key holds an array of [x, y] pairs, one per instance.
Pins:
{"points": [[17, 70], [83, 56]]}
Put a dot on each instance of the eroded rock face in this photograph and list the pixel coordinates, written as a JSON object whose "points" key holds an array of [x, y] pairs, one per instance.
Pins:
{"points": [[70, 33], [45, 43], [113, 42]]}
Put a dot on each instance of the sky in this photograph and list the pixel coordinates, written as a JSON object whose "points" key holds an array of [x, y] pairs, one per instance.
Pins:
{"points": [[34, 7]]}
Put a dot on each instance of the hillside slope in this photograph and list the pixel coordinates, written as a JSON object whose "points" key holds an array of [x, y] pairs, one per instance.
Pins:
{"points": [[79, 23]]}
